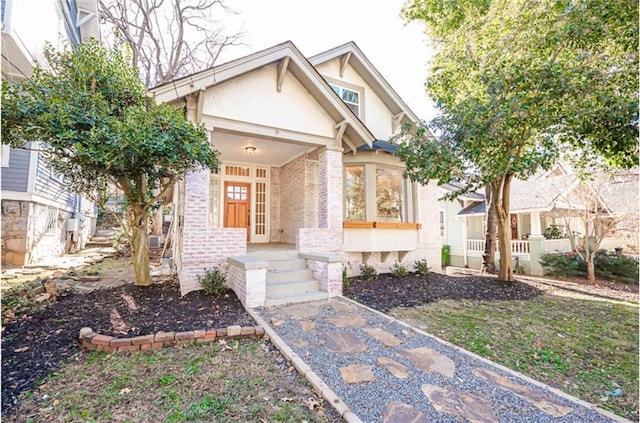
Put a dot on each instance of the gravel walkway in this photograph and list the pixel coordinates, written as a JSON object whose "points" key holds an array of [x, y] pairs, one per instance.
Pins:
{"points": [[385, 371]]}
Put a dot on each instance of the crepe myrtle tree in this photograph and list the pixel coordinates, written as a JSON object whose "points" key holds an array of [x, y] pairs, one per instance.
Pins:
{"points": [[517, 81], [96, 126]]}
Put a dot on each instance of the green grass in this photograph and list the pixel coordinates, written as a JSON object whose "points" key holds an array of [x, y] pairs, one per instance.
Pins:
{"points": [[242, 381], [583, 347]]}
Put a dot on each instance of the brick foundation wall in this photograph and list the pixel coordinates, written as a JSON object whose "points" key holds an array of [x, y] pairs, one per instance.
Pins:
{"points": [[250, 285], [203, 246], [24, 240], [329, 275]]}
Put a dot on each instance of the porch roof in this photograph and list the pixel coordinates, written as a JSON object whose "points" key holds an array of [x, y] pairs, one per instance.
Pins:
{"points": [[476, 208]]}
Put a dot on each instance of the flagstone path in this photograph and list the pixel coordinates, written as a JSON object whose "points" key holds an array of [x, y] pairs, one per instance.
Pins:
{"points": [[387, 372]]}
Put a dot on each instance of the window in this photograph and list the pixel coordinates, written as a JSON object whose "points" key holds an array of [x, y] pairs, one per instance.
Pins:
{"points": [[354, 193], [51, 226], [442, 225], [214, 196], [350, 97], [389, 195], [375, 193]]}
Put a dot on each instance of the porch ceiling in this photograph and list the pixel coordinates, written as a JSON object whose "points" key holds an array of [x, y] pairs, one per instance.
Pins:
{"points": [[267, 152]]}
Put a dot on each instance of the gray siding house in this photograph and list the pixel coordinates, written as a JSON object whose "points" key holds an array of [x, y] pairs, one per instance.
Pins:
{"points": [[40, 219]]}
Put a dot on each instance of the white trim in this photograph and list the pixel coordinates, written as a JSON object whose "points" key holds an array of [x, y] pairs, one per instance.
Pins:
{"points": [[7, 27], [34, 198], [6, 155], [222, 178], [33, 167]]}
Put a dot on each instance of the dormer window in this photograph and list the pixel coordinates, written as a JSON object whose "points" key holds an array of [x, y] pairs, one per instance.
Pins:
{"points": [[350, 97]]}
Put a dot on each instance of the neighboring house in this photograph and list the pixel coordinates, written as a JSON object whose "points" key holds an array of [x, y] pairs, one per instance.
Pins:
{"points": [[307, 179], [40, 219], [544, 214]]}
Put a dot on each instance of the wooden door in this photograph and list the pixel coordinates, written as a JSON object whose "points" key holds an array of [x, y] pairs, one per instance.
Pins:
{"points": [[237, 200], [514, 226]]}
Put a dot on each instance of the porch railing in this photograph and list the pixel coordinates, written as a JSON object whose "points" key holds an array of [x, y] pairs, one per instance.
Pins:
{"points": [[518, 247]]}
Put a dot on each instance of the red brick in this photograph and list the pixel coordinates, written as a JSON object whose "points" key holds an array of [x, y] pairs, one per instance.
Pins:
{"points": [[88, 345], [101, 340], [186, 342], [120, 342], [198, 334], [259, 331], [157, 345], [169, 343], [145, 347], [183, 336], [221, 332], [129, 348], [248, 330], [205, 340], [106, 348], [164, 336], [142, 340], [210, 334]]}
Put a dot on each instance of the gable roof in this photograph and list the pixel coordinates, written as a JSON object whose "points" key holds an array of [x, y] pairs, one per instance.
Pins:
{"points": [[296, 64], [370, 74]]}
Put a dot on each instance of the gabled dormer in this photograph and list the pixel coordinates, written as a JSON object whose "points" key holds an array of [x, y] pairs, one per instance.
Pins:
{"points": [[363, 89]]}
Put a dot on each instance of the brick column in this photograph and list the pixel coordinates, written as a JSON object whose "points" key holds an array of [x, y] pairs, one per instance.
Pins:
{"points": [[330, 189]]}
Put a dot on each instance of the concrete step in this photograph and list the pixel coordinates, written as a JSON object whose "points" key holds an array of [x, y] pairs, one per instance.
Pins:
{"points": [[287, 264], [289, 276], [91, 244], [274, 254], [292, 288], [300, 298], [100, 239]]}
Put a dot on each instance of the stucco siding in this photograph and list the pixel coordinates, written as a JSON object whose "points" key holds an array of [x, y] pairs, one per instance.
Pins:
{"points": [[253, 98], [377, 116], [16, 175]]}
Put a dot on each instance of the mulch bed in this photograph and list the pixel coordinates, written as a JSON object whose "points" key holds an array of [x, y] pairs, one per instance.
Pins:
{"points": [[386, 292], [50, 336]]}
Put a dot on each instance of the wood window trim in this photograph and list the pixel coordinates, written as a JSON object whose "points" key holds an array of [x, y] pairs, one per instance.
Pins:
{"points": [[380, 225]]}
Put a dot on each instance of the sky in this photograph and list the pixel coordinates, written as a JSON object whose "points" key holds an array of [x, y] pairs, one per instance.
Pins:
{"points": [[399, 51]]}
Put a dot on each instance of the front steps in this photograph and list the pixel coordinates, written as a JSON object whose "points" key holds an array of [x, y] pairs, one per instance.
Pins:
{"points": [[288, 279]]}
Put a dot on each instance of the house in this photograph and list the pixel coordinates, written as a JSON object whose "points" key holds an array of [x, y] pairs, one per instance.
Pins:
{"points": [[307, 182], [544, 215], [40, 219]]}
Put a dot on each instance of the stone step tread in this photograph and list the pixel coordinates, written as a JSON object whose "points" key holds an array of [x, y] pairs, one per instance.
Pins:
{"points": [[300, 281], [286, 265], [289, 275], [298, 298]]}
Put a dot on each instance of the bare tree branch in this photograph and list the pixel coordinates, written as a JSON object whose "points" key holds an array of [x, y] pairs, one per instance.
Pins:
{"points": [[169, 38]]}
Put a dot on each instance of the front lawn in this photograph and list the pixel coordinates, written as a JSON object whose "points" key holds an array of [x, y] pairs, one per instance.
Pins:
{"points": [[239, 381], [587, 348]]}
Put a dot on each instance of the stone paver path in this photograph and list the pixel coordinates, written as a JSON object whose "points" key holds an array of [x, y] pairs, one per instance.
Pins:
{"points": [[385, 371]]}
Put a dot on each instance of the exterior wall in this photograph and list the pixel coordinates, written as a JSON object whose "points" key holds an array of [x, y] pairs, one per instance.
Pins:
{"points": [[298, 198], [274, 206], [43, 246], [474, 227], [253, 98], [50, 186], [202, 246], [454, 234], [15, 176], [429, 241], [15, 220], [376, 115], [319, 240]]}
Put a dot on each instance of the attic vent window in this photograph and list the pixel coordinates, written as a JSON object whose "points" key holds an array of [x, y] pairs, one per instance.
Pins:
{"points": [[350, 97]]}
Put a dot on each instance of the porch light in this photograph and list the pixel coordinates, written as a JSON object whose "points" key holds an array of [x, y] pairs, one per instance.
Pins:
{"points": [[250, 149]]}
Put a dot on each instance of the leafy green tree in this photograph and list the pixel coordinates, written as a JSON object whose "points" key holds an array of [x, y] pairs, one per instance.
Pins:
{"points": [[518, 81], [98, 127]]}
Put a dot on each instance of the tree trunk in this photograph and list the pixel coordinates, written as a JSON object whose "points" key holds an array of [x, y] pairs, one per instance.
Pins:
{"points": [[156, 229], [505, 273], [489, 255], [591, 271], [140, 246]]}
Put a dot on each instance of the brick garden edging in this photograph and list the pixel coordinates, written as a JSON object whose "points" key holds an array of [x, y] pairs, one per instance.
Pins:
{"points": [[93, 341]]}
